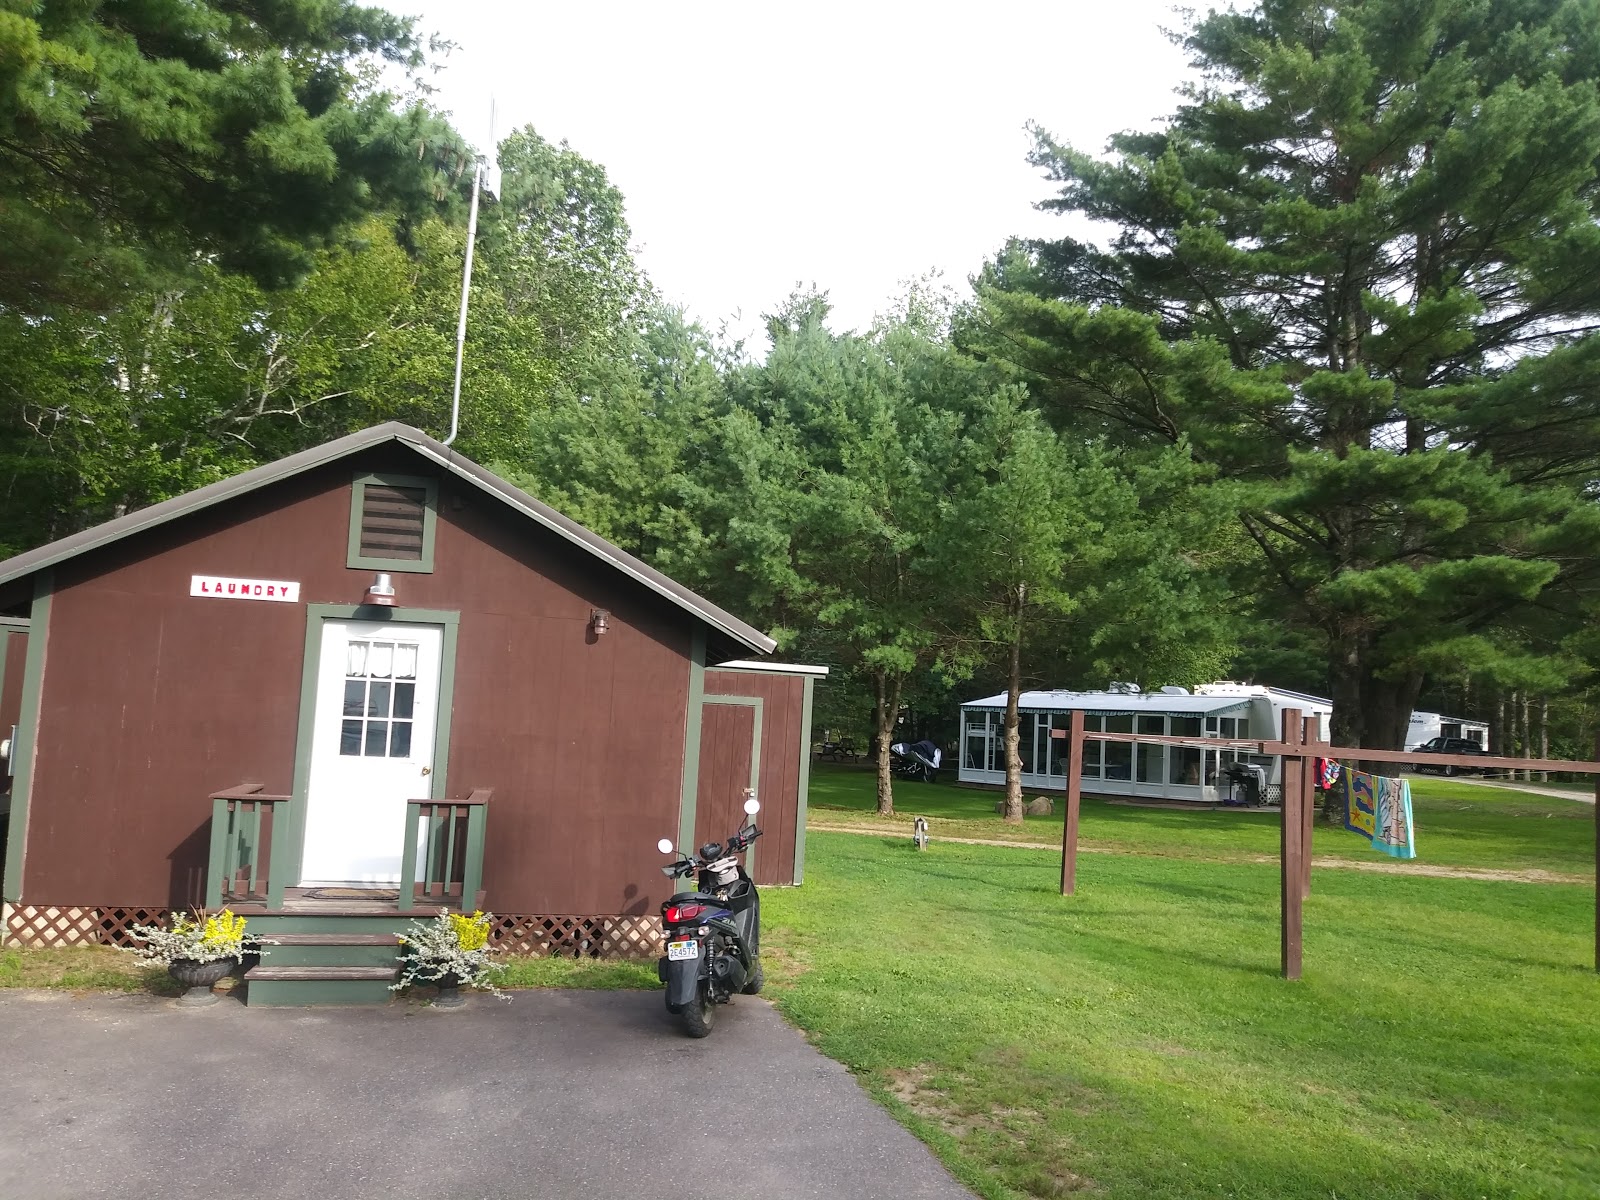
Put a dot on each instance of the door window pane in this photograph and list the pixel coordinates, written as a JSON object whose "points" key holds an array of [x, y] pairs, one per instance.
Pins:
{"points": [[371, 699], [378, 699]]}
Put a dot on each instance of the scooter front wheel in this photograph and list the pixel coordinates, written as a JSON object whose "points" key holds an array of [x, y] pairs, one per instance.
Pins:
{"points": [[699, 1015]]}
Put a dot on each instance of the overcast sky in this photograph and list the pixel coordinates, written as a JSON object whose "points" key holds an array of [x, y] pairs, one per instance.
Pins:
{"points": [[853, 146]]}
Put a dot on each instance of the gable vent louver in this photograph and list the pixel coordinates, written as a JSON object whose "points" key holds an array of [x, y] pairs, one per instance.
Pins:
{"points": [[393, 521]]}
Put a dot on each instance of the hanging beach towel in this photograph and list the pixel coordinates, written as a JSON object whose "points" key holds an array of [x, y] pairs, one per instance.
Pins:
{"points": [[1327, 773], [1379, 809], [1393, 833], [1360, 806]]}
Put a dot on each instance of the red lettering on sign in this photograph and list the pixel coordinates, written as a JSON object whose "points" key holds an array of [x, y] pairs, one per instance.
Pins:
{"points": [[271, 591], [258, 589], [233, 588]]}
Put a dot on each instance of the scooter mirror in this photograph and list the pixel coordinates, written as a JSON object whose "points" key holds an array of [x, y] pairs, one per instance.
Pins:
{"points": [[752, 806], [665, 846]]}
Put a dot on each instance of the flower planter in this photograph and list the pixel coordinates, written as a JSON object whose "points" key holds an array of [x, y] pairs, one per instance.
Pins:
{"points": [[449, 992], [198, 978]]}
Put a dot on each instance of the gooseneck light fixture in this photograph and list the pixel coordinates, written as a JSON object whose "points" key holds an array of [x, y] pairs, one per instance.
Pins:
{"points": [[381, 590]]}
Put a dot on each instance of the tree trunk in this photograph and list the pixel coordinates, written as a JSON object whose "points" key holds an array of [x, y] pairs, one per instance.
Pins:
{"points": [[1344, 671], [885, 710], [1527, 734], [1513, 741], [1387, 705], [1013, 693], [1497, 726], [1544, 734]]}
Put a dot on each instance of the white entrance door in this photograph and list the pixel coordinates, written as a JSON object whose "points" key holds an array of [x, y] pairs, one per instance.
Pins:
{"points": [[371, 748]]}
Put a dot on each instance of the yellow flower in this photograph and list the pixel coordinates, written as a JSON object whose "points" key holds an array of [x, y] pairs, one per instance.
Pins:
{"points": [[222, 929], [472, 933]]}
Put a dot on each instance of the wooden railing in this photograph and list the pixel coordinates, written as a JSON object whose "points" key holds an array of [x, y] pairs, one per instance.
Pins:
{"points": [[449, 835], [244, 823]]}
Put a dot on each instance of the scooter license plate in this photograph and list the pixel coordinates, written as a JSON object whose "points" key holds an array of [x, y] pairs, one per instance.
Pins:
{"points": [[677, 951]]}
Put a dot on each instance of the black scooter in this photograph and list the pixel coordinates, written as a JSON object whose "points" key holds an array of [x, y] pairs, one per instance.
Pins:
{"points": [[714, 934]]}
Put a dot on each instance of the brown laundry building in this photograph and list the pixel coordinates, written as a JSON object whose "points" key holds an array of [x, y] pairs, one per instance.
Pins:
{"points": [[365, 681]]}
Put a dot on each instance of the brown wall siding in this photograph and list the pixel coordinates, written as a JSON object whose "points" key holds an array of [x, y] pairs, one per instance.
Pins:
{"points": [[153, 699], [726, 733], [783, 699], [16, 661]]}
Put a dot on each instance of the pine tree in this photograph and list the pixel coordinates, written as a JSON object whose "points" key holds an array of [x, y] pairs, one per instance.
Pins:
{"points": [[1359, 271]]}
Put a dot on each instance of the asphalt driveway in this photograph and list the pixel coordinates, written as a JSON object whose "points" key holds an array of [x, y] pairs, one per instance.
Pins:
{"points": [[557, 1094]]}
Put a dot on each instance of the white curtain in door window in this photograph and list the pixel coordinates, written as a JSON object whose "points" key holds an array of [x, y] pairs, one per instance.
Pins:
{"points": [[381, 661], [356, 659], [405, 661]]}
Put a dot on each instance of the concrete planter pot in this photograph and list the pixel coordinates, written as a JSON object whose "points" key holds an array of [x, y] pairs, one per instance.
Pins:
{"points": [[199, 977], [449, 992]]}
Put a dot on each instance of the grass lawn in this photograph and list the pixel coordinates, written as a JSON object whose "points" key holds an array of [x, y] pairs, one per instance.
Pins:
{"points": [[1458, 824], [81, 968], [104, 969], [1135, 1040]]}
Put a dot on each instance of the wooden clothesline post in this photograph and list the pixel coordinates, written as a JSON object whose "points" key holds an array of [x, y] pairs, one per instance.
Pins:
{"points": [[1301, 745], [1291, 848], [1069, 827], [1312, 737]]}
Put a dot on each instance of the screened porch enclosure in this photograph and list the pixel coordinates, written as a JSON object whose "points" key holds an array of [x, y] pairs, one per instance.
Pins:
{"points": [[1114, 768]]}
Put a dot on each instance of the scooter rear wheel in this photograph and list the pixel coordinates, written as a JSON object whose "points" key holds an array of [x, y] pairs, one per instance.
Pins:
{"points": [[699, 1015], [753, 985]]}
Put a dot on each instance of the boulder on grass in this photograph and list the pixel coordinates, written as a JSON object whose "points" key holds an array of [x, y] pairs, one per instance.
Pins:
{"points": [[1040, 806]]}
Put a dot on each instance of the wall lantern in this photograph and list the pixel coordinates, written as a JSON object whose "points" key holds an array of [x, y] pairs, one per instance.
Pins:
{"points": [[600, 619], [381, 590]]}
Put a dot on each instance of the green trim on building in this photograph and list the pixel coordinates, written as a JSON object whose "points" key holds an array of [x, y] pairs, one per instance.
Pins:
{"points": [[27, 733], [17, 624], [289, 848], [760, 705], [689, 795], [430, 520], [805, 786]]}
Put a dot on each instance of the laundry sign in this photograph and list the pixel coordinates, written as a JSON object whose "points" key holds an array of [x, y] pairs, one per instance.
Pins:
{"points": [[223, 588]]}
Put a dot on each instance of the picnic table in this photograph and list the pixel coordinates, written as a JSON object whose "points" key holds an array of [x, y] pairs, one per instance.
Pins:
{"points": [[843, 750]]}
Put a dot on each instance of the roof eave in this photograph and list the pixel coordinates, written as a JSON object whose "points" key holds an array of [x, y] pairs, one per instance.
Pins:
{"points": [[44, 557]]}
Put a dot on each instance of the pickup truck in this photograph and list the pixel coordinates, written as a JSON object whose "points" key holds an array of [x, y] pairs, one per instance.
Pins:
{"points": [[1450, 745]]}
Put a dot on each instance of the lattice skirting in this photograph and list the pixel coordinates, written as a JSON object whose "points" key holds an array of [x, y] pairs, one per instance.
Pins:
{"points": [[576, 937], [579, 937], [40, 925]]}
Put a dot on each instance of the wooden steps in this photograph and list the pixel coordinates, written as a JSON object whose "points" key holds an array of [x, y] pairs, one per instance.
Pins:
{"points": [[335, 939], [282, 974], [336, 960]]}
